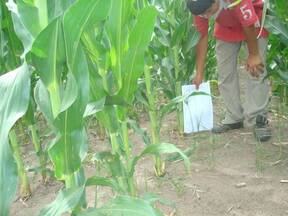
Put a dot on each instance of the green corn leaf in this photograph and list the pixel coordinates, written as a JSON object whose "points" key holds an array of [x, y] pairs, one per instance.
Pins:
{"points": [[57, 8], [102, 181], [139, 38], [10, 46], [141, 132], [191, 42], [153, 198], [112, 163], [96, 82], [117, 28], [49, 48], [71, 146], [188, 152], [42, 99], [158, 149], [22, 25], [125, 205], [275, 26], [48, 58], [283, 75], [15, 94], [178, 34], [65, 201], [31, 17], [94, 107], [112, 81], [77, 18], [108, 118]]}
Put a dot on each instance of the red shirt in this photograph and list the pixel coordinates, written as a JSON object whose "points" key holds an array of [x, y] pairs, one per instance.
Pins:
{"points": [[230, 22]]}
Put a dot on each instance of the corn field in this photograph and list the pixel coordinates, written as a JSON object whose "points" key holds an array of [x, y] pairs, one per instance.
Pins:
{"points": [[68, 63]]}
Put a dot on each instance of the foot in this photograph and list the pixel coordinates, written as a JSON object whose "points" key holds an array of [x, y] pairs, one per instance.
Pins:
{"points": [[222, 128], [262, 130]]}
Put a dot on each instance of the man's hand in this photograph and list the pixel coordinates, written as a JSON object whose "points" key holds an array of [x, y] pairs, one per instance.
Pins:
{"points": [[255, 65], [198, 80], [254, 62]]}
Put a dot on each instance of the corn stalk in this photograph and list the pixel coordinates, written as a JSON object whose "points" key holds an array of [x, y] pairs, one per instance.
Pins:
{"points": [[159, 164], [114, 61], [120, 65], [277, 64], [172, 53], [14, 91], [25, 191]]}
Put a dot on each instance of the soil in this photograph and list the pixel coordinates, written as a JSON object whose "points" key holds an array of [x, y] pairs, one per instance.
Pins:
{"points": [[231, 173]]}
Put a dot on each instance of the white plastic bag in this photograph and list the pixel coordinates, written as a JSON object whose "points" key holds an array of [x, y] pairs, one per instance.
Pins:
{"points": [[197, 109]]}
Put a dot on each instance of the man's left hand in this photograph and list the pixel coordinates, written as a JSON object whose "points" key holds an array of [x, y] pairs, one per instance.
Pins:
{"points": [[255, 65]]}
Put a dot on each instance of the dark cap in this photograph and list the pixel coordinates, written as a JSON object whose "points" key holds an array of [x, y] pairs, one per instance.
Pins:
{"points": [[198, 7]]}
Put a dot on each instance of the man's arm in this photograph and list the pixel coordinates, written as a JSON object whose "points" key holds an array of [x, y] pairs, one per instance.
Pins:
{"points": [[201, 53], [248, 18], [254, 62], [202, 25]]}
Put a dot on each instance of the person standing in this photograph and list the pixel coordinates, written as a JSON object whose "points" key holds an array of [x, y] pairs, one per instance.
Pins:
{"points": [[237, 23]]}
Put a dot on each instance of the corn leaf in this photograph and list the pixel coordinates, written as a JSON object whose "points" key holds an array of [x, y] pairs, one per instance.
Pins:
{"points": [[15, 93], [113, 79], [57, 7], [102, 181], [10, 46], [31, 17], [70, 149], [112, 163], [70, 145], [42, 99], [125, 205], [95, 107], [157, 149], [277, 27], [66, 200], [139, 38], [48, 58], [76, 19]]}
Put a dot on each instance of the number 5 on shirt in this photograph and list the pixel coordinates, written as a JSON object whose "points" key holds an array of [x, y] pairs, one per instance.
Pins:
{"points": [[246, 12]]}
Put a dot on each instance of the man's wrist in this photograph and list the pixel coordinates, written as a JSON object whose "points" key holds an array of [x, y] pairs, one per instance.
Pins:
{"points": [[254, 54]]}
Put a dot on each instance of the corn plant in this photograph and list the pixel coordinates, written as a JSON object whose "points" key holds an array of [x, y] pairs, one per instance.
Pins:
{"points": [[167, 67], [15, 91], [88, 56], [115, 56], [15, 87], [172, 52], [10, 46], [11, 49], [117, 79], [276, 23]]}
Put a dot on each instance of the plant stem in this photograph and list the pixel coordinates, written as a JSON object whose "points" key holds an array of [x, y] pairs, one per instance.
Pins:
{"points": [[159, 164], [77, 179], [39, 151], [178, 90], [25, 190], [114, 143], [130, 180], [131, 186], [126, 139], [55, 99]]}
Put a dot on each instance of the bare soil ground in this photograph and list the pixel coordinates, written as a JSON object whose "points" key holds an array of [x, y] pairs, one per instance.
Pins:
{"points": [[231, 174]]}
